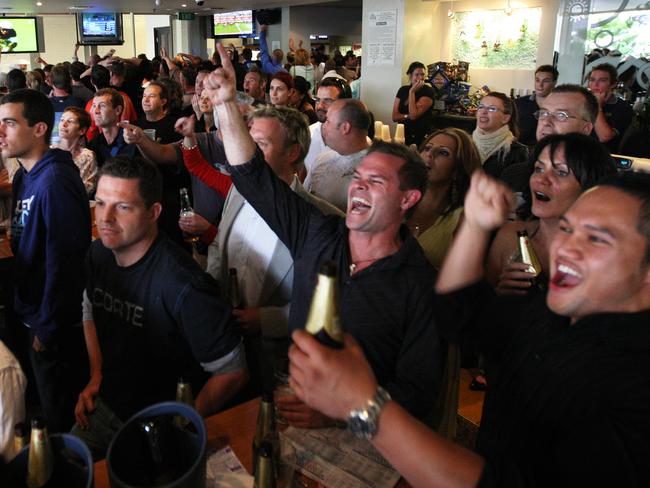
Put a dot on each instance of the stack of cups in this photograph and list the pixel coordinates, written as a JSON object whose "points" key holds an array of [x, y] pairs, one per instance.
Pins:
{"points": [[385, 133], [378, 125], [399, 134]]}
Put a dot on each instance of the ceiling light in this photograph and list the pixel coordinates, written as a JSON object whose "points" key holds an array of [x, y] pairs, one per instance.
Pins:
{"points": [[508, 9], [39, 4], [184, 5]]}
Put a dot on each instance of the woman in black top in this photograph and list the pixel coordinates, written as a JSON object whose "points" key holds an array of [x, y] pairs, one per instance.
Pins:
{"points": [[413, 105]]}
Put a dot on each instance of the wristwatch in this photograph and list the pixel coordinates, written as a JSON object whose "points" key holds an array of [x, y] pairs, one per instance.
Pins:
{"points": [[364, 422]]}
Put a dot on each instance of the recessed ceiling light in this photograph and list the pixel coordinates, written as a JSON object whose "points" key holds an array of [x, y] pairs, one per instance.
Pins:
{"points": [[183, 5], [39, 4]]}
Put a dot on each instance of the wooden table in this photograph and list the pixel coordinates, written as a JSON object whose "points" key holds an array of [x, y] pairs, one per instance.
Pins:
{"points": [[470, 403], [234, 427]]}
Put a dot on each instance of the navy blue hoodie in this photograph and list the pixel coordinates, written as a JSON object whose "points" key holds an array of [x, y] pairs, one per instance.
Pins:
{"points": [[50, 237]]}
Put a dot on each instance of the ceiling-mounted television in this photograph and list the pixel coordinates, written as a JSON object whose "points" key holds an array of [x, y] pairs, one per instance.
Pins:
{"points": [[100, 28], [240, 23], [18, 35]]}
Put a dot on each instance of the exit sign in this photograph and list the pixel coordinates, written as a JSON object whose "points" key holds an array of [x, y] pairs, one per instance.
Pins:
{"points": [[186, 15]]}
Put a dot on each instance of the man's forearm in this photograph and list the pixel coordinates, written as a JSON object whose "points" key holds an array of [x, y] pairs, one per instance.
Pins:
{"points": [[158, 153], [604, 131], [218, 390], [429, 459], [238, 143]]}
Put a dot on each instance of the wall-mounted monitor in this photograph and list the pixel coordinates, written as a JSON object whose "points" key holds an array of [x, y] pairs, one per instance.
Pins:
{"points": [[18, 35], [100, 28], [240, 23]]}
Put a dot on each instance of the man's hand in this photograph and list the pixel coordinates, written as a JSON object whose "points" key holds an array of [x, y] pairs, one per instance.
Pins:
{"points": [[193, 224], [132, 133], [601, 97], [86, 402], [488, 202], [294, 411], [221, 83], [185, 126], [248, 319], [264, 27], [333, 382]]}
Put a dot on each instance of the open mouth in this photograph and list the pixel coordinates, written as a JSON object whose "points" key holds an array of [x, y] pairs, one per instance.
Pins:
{"points": [[359, 205], [542, 197], [566, 277]]}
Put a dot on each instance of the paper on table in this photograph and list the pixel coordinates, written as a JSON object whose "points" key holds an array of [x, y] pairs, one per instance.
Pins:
{"points": [[336, 458], [224, 469]]}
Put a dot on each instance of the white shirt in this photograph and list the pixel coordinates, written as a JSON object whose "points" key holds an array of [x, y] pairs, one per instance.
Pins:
{"points": [[330, 176], [251, 245], [12, 400], [317, 145]]}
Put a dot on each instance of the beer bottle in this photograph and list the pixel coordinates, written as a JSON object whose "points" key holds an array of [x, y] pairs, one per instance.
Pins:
{"points": [[183, 395], [20, 436], [187, 211], [265, 475], [233, 289], [40, 462], [323, 320], [161, 467], [265, 424], [528, 255]]}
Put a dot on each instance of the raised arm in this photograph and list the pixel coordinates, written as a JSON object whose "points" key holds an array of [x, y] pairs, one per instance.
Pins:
{"points": [[221, 87]]}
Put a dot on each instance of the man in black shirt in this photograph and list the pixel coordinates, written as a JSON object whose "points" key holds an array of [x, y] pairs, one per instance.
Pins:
{"points": [[545, 80], [150, 314], [155, 104], [107, 108], [384, 278]]}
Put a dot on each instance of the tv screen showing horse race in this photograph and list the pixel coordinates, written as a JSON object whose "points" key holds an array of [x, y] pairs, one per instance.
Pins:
{"points": [[234, 24]]}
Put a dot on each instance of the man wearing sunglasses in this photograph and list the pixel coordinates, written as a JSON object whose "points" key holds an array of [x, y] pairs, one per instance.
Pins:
{"points": [[569, 108]]}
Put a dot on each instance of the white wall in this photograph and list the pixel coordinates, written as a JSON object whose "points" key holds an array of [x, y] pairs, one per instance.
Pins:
{"points": [[379, 84]]}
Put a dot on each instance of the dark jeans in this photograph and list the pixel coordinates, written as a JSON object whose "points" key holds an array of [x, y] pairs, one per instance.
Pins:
{"points": [[61, 372]]}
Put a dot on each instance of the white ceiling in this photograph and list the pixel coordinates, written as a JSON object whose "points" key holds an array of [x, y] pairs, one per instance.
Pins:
{"points": [[29, 7]]}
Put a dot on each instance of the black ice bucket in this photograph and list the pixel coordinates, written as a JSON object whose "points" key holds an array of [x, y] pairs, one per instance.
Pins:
{"points": [[163, 445]]}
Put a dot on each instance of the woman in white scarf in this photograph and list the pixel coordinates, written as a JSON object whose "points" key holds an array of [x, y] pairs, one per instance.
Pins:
{"points": [[495, 137]]}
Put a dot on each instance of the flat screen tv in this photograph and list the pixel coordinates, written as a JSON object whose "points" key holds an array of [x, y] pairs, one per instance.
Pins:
{"points": [[103, 28], [240, 23], [18, 35]]}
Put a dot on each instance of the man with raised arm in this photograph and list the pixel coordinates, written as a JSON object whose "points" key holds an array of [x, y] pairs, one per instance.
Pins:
{"points": [[568, 405], [384, 278]]}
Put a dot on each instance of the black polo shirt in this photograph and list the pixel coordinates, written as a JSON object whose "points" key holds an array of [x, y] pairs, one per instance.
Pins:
{"points": [[106, 151], [387, 307]]}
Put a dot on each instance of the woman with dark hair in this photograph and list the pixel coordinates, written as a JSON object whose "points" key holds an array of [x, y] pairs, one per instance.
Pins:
{"points": [[413, 105], [300, 99], [565, 165], [451, 158], [496, 134], [280, 89]]}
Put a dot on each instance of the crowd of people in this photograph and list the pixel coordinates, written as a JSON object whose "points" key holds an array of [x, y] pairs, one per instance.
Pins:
{"points": [[284, 175]]}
